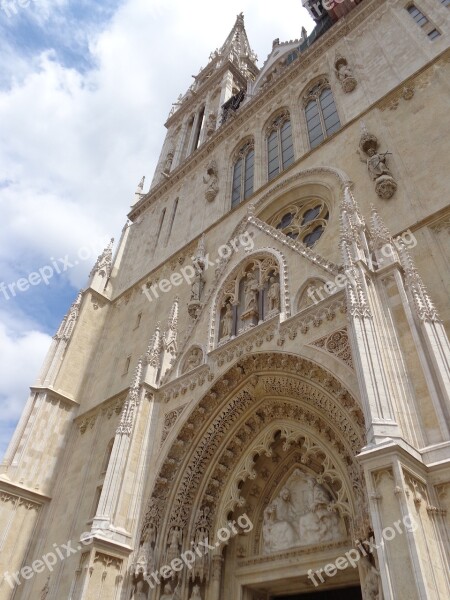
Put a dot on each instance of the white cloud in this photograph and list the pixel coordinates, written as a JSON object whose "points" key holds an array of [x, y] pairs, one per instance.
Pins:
{"points": [[74, 144], [23, 350]]}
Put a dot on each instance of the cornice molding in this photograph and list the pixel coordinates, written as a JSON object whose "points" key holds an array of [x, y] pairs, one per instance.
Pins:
{"points": [[65, 398]]}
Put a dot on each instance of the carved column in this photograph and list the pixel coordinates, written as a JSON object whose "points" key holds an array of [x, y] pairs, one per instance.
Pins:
{"points": [[216, 578], [105, 518]]}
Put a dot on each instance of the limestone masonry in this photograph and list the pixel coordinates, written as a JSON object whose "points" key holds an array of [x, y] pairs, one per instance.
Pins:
{"points": [[250, 399]]}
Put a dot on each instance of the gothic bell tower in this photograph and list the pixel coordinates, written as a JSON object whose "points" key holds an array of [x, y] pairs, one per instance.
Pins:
{"points": [[217, 91]]}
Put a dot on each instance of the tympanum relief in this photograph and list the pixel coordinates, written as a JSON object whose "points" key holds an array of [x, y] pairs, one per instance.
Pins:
{"points": [[300, 515]]}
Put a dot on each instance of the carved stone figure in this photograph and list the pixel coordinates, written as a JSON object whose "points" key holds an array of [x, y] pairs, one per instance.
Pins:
{"points": [[139, 593], [168, 163], [211, 179], [319, 524], [227, 321], [194, 359], [345, 74], [300, 515], [211, 124], [385, 184], [175, 540], [195, 593], [167, 593], [145, 559], [279, 519], [251, 293], [198, 285], [371, 585], [273, 295]]}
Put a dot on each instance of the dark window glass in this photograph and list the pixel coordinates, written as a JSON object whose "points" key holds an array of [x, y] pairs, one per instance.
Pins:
{"points": [[311, 238], [243, 176], [321, 116]]}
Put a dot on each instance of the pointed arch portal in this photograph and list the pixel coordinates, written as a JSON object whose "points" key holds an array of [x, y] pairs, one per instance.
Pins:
{"points": [[274, 439]]}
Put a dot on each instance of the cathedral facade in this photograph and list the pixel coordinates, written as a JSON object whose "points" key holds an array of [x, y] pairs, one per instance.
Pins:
{"points": [[250, 399]]}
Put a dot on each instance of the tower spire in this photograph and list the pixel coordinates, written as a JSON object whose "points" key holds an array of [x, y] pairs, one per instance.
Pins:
{"points": [[237, 43]]}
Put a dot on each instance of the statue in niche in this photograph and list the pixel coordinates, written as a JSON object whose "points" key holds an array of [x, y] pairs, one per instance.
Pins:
{"points": [[345, 74], [168, 163], [301, 514], [200, 568], [273, 295], [198, 284], [227, 321], [145, 559], [385, 184], [211, 179], [211, 124], [139, 593], [195, 593], [251, 293], [167, 593], [175, 540]]}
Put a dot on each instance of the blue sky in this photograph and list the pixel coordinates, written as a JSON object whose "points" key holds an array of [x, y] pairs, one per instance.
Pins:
{"points": [[85, 88]]}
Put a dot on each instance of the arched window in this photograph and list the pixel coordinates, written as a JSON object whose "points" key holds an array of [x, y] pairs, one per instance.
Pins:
{"points": [[280, 149], [243, 174], [302, 221], [321, 114]]}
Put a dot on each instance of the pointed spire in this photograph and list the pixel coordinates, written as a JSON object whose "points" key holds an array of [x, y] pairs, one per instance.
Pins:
{"points": [[140, 187], [153, 354], [236, 47], [425, 308], [103, 263], [170, 336], [378, 231], [131, 403], [66, 328]]}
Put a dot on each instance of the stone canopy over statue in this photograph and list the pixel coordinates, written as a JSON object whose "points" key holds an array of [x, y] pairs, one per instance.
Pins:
{"points": [[301, 514], [249, 297]]}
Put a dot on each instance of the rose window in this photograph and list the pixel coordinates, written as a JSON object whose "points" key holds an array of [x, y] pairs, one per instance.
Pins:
{"points": [[304, 222]]}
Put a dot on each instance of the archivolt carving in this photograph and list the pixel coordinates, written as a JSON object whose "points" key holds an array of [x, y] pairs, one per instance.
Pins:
{"points": [[291, 433], [316, 395]]}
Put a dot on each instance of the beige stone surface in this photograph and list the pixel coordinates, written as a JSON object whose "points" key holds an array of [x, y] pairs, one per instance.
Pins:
{"points": [[125, 438]]}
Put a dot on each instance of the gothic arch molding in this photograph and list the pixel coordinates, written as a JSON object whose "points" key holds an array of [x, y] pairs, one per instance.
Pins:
{"points": [[255, 391]]}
